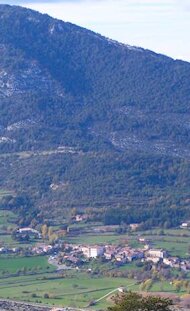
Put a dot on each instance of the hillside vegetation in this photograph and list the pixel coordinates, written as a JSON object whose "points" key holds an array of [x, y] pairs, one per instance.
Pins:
{"points": [[107, 124]]}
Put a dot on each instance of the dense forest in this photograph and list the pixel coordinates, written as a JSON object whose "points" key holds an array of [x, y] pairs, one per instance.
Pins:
{"points": [[92, 124]]}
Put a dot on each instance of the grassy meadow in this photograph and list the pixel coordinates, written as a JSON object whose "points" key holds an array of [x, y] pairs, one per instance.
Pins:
{"points": [[11, 265], [74, 290]]}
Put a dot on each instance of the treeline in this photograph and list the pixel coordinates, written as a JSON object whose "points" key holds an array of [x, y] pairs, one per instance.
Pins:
{"points": [[23, 206], [165, 217]]}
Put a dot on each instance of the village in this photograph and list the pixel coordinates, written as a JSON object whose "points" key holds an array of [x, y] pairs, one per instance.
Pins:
{"points": [[127, 256], [77, 255]]}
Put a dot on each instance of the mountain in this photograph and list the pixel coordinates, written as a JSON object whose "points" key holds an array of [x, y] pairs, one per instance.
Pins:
{"points": [[88, 122]]}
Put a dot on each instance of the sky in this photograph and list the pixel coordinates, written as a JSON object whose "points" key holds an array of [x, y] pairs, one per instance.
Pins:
{"points": [[159, 25]]}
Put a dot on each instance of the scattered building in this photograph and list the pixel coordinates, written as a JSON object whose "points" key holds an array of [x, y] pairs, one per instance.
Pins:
{"points": [[80, 218], [41, 249], [185, 225], [29, 231], [134, 227], [173, 262]]}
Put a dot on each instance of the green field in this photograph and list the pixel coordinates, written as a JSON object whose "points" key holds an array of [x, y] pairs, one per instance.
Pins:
{"points": [[7, 218], [175, 248], [75, 290], [6, 240], [96, 239], [12, 265], [72, 288], [107, 238]]}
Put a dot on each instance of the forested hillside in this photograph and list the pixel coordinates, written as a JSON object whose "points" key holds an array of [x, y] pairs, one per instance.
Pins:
{"points": [[90, 123]]}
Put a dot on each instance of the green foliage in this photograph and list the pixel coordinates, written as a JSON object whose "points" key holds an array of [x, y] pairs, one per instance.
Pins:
{"points": [[107, 184], [135, 302]]}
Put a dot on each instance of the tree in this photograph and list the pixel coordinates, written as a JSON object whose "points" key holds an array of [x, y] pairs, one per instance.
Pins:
{"points": [[177, 285], [53, 237], [142, 286], [44, 230], [148, 284], [50, 232], [46, 296], [136, 302]]}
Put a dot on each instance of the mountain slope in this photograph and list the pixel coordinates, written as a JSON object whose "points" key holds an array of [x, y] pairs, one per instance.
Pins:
{"points": [[123, 112], [73, 76]]}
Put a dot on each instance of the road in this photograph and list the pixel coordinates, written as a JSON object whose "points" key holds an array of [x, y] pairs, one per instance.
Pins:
{"points": [[113, 291]]}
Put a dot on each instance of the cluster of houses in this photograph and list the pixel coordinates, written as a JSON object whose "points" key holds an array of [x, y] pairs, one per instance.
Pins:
{"points": [[43, 249], [176, 262], [115, 253], [160, 256], [8, 250], [38, 249], [75, 254]]}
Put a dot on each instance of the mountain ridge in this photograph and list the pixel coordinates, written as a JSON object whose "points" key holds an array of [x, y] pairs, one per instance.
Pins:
{"points": [[126, 111]]}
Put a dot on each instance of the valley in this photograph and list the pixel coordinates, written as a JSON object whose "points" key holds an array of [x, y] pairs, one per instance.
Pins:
{"points": [[38, 278]]}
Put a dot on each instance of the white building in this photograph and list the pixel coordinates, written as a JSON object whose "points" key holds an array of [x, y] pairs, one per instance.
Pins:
{"points": [[156, 253], [185, 225], [173, 262], [92, 251], [29, 231], [134, 227], [96, 251]]}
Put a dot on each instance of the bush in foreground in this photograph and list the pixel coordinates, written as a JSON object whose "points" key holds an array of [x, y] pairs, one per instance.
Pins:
{"points": [[136, 302]]}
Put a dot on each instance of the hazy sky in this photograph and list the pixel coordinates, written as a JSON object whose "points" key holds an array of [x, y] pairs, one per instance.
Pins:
{"points": [[160, 25]]}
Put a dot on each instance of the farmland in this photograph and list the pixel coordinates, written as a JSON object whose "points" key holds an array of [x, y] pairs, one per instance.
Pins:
{"points": [[11, 265], [33, 279], [73, 289]]}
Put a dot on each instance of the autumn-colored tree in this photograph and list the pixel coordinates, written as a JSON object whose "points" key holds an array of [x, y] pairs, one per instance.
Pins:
{"points": [[53, 237], [146, 285], [177, 285], [50, 232], [44, 230]]}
